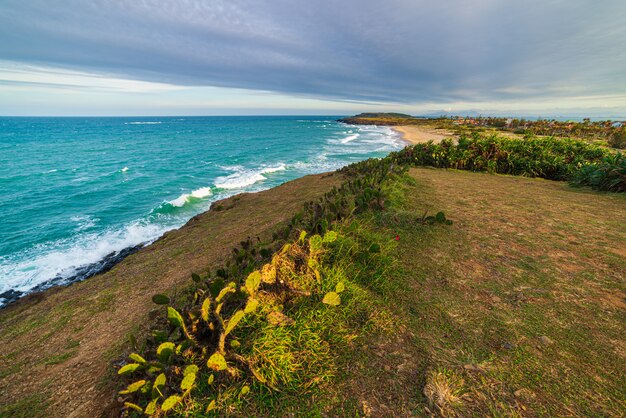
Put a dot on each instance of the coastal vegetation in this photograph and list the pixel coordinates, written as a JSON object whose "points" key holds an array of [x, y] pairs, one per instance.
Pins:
{"points": [[268, 318], [606, 132], [276, 321], [576, 161]]}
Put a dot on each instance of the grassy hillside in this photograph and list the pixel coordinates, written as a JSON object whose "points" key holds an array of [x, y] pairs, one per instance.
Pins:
{"points": [[514, 309], [267, 332], [401, 291]]}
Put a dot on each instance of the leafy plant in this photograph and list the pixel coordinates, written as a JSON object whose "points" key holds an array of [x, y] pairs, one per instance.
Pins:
{"points": [[195, 341], [609, 175]]}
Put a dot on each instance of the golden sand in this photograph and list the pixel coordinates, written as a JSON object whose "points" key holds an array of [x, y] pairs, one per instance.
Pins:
{"points": [[420, 134]]}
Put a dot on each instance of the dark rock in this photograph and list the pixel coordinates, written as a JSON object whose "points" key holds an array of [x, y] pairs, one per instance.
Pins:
{"points": [[10, 296], [80, 274]]}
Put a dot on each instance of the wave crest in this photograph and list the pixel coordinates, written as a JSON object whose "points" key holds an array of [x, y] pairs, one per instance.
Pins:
{"points": [[243, 178]]}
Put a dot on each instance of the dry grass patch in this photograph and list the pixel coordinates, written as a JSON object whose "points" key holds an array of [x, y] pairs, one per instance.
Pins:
{"points": [[444, 392], [527, 285]]}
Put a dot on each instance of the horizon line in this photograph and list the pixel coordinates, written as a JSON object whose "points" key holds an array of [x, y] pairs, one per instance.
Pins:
{"points": [[428, 116]]}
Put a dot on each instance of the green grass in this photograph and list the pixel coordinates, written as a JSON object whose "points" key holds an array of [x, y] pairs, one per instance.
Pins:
{"points": [[60, 358], [31, 406], [298, 359]]}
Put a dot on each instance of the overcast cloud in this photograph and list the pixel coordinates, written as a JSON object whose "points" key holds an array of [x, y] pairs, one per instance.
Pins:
{"points": [[399, 51]]}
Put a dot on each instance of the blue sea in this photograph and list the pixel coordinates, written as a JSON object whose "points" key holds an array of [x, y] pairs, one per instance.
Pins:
{"points": [[76, 190]]}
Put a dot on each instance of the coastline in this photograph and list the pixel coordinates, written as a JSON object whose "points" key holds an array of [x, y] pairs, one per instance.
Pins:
{"points": [[414, 134], [100, 312], [124, 204]]}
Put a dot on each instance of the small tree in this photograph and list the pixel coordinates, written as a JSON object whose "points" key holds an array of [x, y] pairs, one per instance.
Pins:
{"points": [[618, 138]]}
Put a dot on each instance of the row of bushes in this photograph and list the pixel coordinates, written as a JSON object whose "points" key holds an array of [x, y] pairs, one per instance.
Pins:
{"points": [[571, 160]]}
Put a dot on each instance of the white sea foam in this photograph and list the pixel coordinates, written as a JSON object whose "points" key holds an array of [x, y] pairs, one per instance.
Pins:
{"points": [[142, 123], [349, 138], [84, 222], [62, 258], [279, 167], [243, 178], [200, 193]]}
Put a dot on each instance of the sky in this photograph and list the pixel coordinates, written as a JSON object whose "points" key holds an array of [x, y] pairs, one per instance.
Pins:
{"points": [[239, 57]]}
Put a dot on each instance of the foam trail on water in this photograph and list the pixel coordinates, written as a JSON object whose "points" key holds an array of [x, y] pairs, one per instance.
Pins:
{"points": [[243, 178], [349, 138], [279, 167]]}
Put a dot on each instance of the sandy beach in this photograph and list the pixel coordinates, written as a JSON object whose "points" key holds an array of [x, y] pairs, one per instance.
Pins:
{"points": [[420, 134]]}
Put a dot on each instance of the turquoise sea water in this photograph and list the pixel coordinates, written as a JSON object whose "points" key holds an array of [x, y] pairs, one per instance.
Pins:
{"points": [[74, 190]]}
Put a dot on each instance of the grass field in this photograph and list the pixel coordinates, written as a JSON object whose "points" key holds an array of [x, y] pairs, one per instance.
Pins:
{"points": [[517, 309]]}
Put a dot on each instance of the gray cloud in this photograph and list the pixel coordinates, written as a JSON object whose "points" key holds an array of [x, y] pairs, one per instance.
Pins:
{"points": [[405, 51]]}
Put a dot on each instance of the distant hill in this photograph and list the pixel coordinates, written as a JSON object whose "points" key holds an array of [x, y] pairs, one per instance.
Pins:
{"points": [[380, 119], [383, 115]]}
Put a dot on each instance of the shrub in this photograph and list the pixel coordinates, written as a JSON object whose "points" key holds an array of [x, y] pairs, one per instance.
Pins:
{"points": [[609, 174], [617, 139], [572, 160]]}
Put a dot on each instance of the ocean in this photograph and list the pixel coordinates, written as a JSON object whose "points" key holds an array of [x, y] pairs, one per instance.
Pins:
{"points": [[75, 192]]}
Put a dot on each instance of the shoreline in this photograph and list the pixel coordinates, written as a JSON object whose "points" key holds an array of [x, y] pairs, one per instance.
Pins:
{"points": [[104, 310], [413, 134], [84, 272], [16, 299]]}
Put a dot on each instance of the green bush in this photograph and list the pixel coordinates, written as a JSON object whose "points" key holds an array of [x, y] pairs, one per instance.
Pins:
{"points": [[566, 159], [609, 175], [617, 139]]}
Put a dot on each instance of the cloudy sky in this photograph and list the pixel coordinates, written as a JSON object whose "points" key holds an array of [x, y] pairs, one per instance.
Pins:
{"points": [[191, 57]]}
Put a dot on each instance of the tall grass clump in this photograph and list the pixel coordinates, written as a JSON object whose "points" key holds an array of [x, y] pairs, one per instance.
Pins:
{"points": [[608, 175]]}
